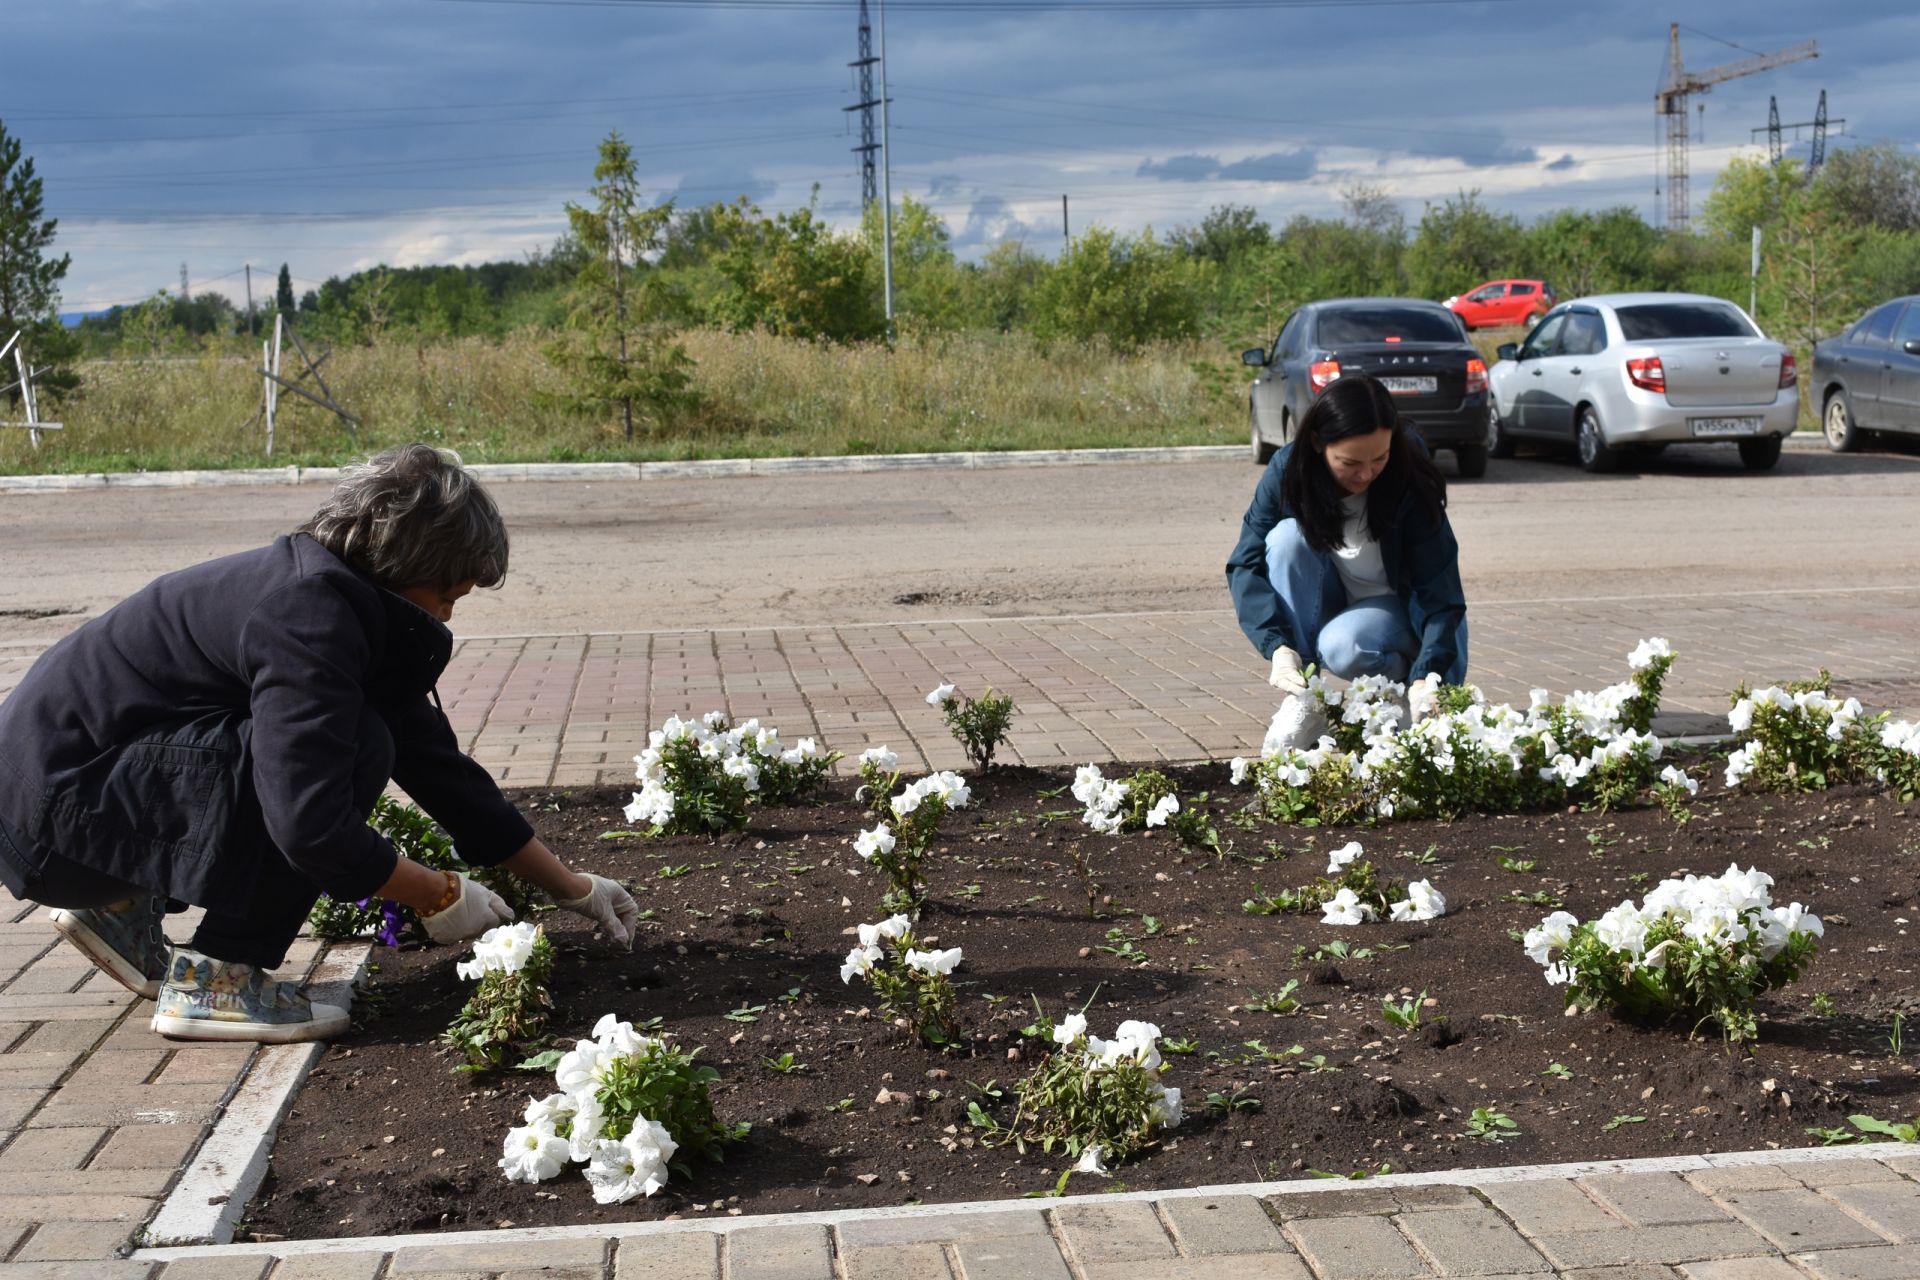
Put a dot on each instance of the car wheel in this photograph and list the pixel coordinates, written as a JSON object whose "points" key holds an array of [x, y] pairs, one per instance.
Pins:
{"points": [[1760, 453], [1498, 444], [1836, 422], [1262, 451], [1471, 459], [1596, 455]]}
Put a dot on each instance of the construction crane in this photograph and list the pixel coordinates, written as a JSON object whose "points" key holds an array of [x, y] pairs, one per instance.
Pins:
{"points": [[1671, 101]]}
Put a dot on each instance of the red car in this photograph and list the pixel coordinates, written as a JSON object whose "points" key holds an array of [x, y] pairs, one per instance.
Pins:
{"points": [[1503, 302]]}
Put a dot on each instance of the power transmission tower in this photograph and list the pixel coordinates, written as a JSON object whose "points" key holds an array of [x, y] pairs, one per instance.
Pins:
{"points": [[1819, 155], [1819, 127], [1671, 100], [869, 186]]}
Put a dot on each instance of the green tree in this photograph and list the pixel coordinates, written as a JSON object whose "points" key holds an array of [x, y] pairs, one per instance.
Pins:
{"points": [[1807, 288], [283, 293], [1228, 233], [621, 357], [149, 328], [1749, 193], [926, 279], [1581, 252], [999, 292], [1131, 290], [1877, 186], [1459, 243], [794, 276], [30, 276]]}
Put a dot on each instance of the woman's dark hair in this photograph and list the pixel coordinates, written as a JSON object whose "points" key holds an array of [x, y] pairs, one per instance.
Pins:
{"points": [[412, 516], [1357, 405]]}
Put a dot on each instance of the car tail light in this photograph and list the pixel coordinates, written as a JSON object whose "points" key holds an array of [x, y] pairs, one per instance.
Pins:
{"points": [[1476, 375], [1789, 370], [1321, 373], [1647, 373]]}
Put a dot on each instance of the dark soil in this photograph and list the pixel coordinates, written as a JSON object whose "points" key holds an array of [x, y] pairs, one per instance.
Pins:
{"points": [[385, 1138]]}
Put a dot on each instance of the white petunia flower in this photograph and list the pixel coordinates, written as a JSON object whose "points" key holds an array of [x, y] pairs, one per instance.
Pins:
{"points": [[1555, 933], [933, 962], [894, 926], [581, 1069], [502, 949], [1676, 777], [1165, 1110], [533, 1153], [713, 720], [1239, 766], [1644, 654], [1339, 859], [859, 962], [1345, 907], [553, 1110], [1091, 1162], [941, 696], [1423, 902], [634, 1165], [1163, 808], [1624, 928], [882, 758], [1070, 1028], [589, 1119], [744, 769], [906, 802], [877, 841]]}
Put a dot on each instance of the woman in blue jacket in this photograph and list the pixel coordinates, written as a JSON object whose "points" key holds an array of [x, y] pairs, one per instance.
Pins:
{"points": [[1346, 559], [221, 736]]}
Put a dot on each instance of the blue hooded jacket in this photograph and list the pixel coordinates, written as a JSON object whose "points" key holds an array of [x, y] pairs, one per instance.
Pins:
{"points": [[1422, 563]]}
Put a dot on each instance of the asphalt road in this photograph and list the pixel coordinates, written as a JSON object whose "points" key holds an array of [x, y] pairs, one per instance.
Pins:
{"points": [[940, 544]]}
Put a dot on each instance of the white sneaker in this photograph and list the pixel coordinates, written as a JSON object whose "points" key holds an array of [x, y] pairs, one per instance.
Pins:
{"points": [[1296, 726]]}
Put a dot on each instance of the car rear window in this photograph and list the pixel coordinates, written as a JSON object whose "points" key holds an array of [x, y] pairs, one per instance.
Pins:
{"points": [[1656, 320], [1387, 324]]}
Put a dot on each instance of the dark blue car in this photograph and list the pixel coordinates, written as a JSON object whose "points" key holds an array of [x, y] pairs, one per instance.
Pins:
{"points": [[1417, 348], [1868, 378]]}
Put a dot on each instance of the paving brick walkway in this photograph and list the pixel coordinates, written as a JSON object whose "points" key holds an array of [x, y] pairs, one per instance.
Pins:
{"points": [[98, 1116], [568, 710]]}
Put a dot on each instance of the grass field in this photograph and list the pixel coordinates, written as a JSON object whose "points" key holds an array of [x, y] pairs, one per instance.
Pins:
{"points": [[759, 396]]}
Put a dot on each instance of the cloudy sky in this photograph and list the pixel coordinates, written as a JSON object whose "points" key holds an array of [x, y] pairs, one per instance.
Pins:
{"points": [[338, 135]]}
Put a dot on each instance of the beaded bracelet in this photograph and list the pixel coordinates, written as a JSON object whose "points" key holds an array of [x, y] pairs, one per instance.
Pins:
{"points": [[447, 899]]}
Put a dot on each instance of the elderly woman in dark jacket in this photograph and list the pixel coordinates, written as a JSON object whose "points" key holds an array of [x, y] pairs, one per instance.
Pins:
{"points": [[220, 737]]}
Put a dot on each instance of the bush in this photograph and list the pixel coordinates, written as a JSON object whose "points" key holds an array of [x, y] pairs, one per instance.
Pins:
{"points": [[1100, 1100], [510, 1006], [417, 837], [898, 846], [1695, 949], [698, 776], [912, 984], [978, 724]]}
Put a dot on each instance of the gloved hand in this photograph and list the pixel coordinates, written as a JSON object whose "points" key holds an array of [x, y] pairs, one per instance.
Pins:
{"points": [[1286, 675], [475, 911], [1423, 697], [609, 906]]}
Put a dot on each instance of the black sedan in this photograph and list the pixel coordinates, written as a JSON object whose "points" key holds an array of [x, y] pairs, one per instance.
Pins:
{"points": [[1416, 348], [1868, 378]]}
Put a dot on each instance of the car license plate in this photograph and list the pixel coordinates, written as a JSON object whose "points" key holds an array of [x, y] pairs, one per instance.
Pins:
{"points": [[1411, 386], [1725, 426]]}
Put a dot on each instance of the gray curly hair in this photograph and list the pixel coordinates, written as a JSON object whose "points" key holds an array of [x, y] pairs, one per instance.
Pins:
{"points": [[412, 516]]}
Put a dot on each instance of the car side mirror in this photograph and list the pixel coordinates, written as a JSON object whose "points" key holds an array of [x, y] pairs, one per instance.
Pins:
{"points": [[1911, 346], [1506, 351], [1257, 356]]}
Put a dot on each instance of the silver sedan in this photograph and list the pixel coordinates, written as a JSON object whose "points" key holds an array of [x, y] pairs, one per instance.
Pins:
{"points": [[1624, 371]]}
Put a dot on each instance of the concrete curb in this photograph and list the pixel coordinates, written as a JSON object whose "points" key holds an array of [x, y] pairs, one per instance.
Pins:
{"points": [[1308, 1186], [509, 472], [214, 1190], [589, 472]]}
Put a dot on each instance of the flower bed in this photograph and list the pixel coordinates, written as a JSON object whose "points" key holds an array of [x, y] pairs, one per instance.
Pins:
{"points": [[1416, 1038]]}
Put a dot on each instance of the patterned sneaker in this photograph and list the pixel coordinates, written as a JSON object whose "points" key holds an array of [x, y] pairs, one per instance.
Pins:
{"points": [[123, 938], [207, 999]]}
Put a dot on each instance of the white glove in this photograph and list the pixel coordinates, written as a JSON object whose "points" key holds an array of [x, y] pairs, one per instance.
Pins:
{"points": [[609, 906], [1423, 697], [475, 911], [1286, 675]]}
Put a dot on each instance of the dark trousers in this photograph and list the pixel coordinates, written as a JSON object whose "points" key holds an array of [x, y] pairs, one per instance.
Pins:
{"points": [[282, 896]]}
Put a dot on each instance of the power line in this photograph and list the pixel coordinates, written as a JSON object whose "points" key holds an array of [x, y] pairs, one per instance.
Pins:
{"points": [[991, 6]]}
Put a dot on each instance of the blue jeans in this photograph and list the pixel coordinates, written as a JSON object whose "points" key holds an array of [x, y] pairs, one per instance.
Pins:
{"points": [[1370, 637]]}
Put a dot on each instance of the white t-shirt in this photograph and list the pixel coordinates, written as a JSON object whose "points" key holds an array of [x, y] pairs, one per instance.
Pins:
{"points": [[1357, 560]]}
